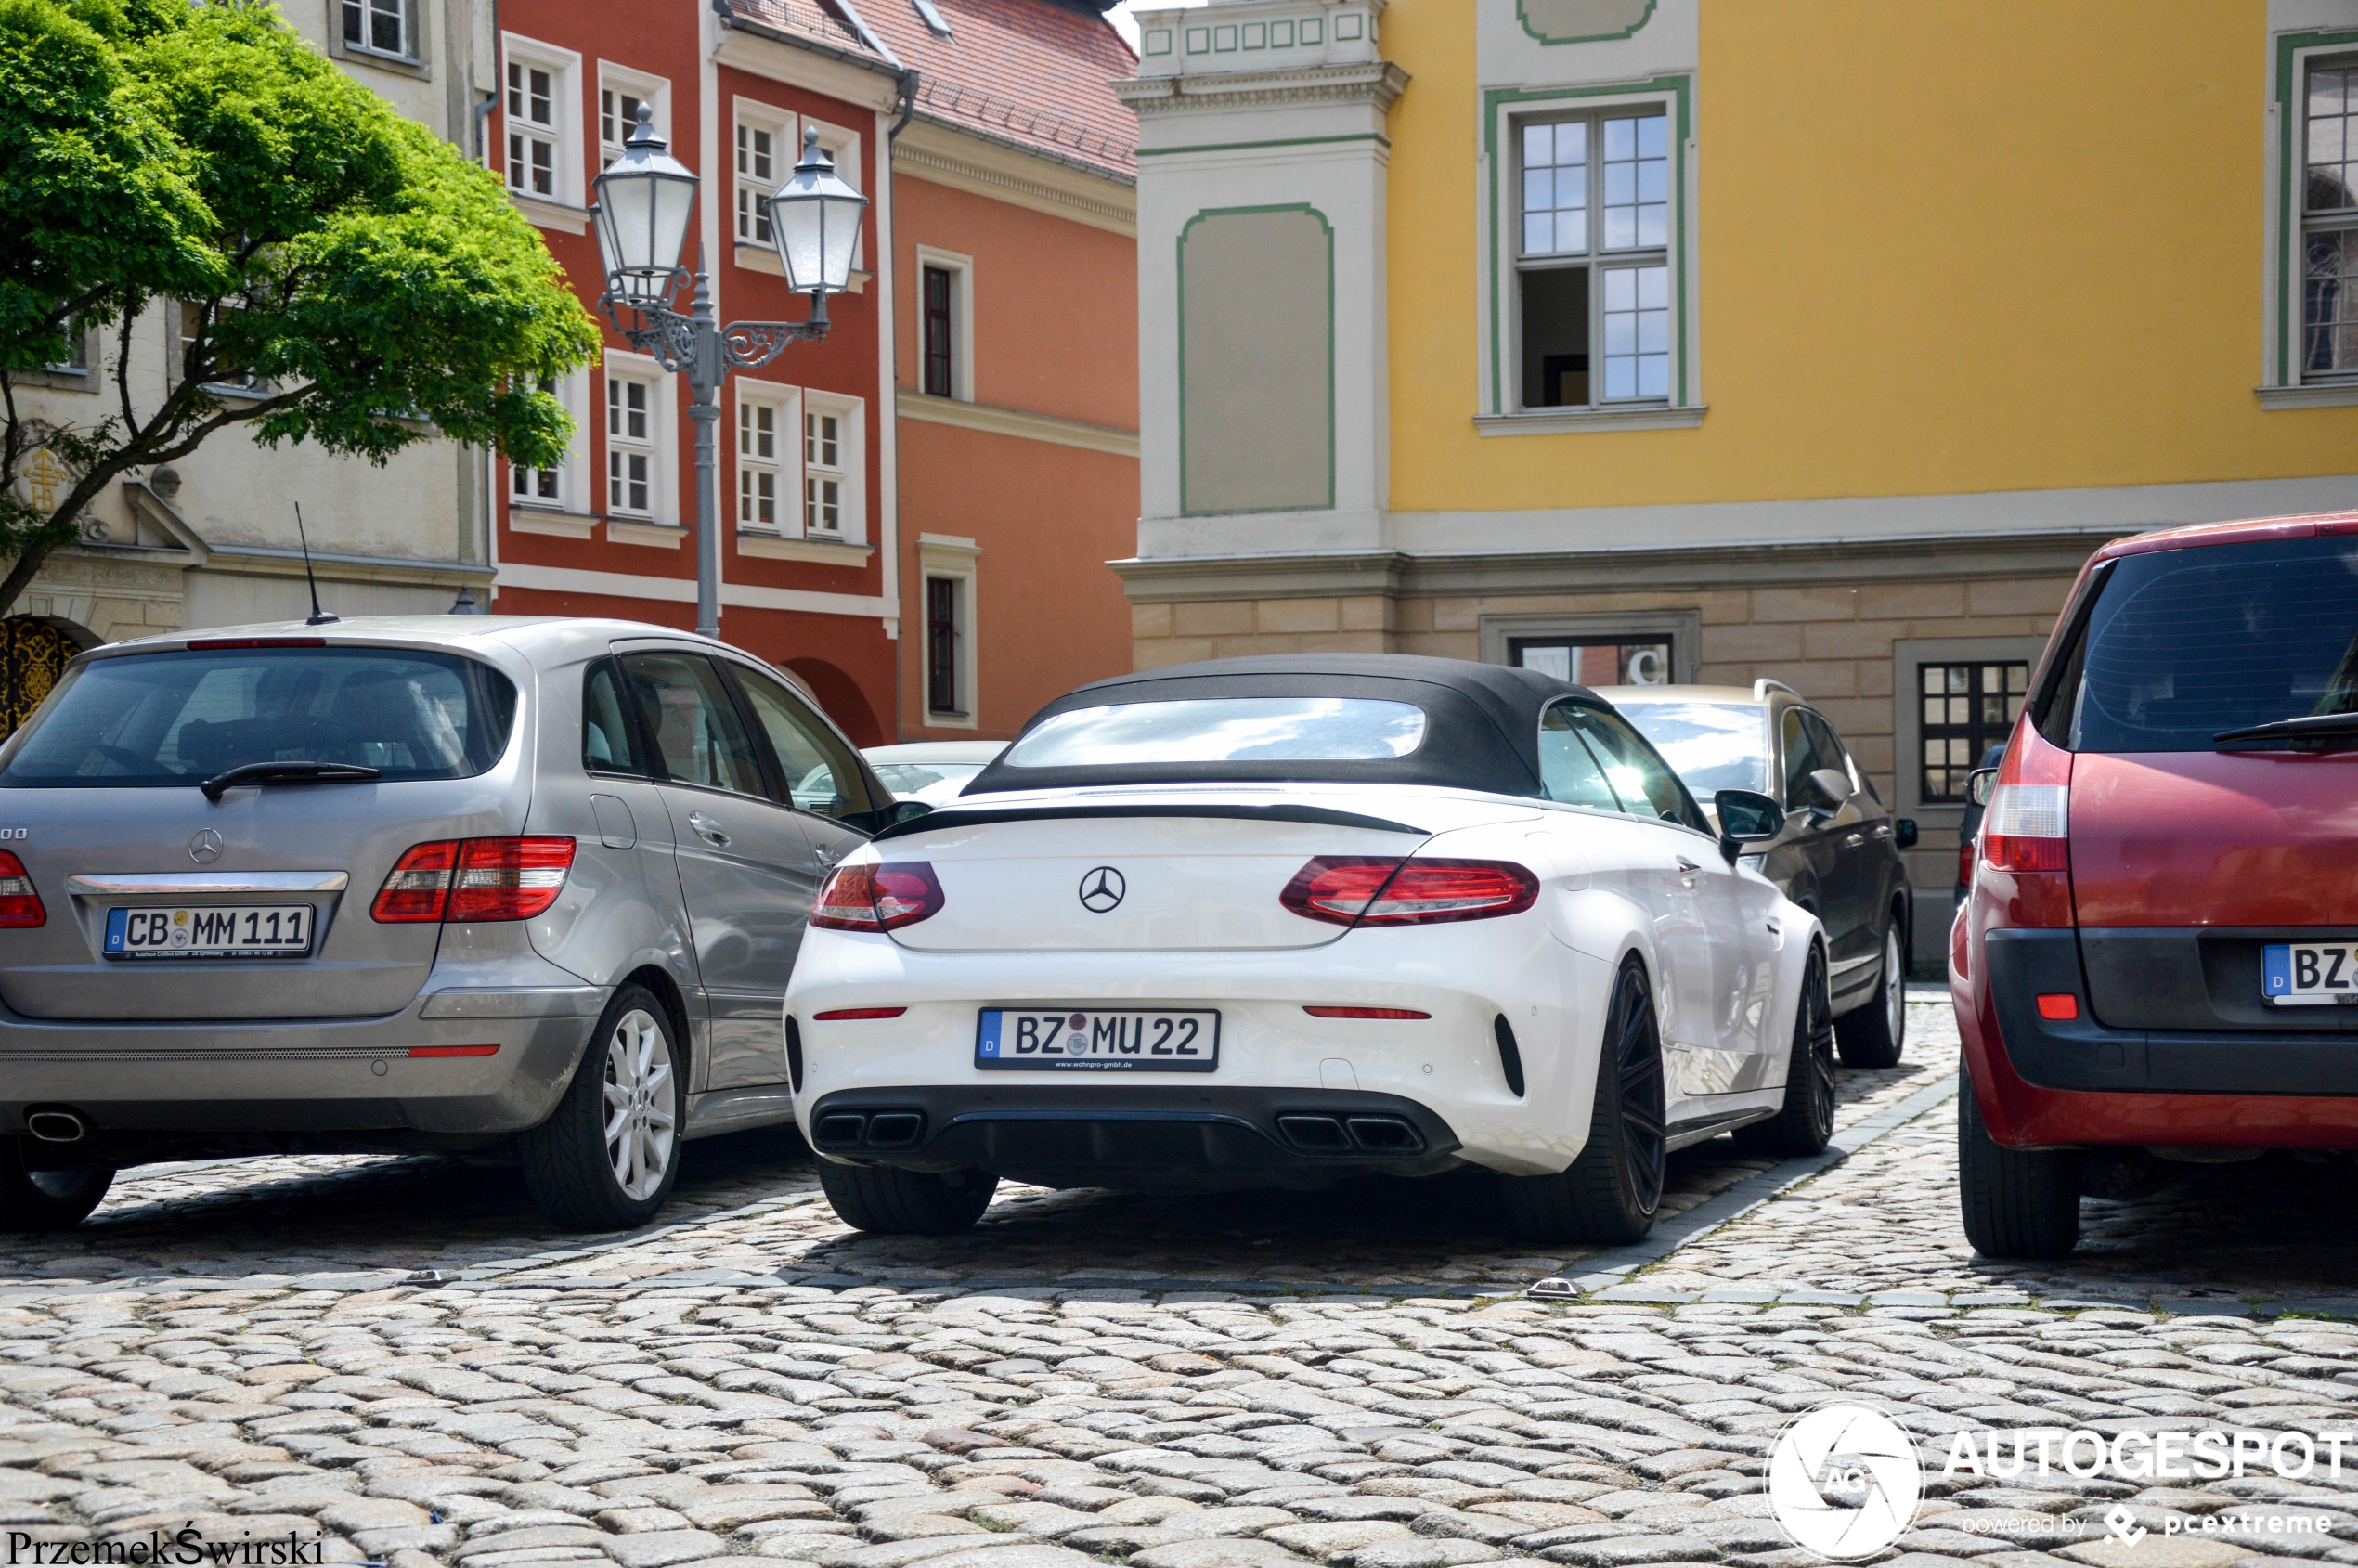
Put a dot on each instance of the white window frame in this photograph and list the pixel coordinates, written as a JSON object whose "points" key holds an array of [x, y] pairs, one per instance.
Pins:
{"points": [[412, 47], [659, 524], [572, 511], [2303, 224], [619, 81], [783, 468], [745, 221], [850, 473], [1501, 408], [563, 131], [1595, 258], [961, 319], [948, 556]]}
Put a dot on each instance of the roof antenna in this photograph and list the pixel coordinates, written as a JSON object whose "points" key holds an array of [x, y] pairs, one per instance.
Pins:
{"points": [[318, 617]]}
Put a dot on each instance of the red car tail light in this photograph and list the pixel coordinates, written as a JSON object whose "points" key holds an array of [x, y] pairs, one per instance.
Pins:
{"points": [[2059, 1006], [1364, 1013], [19, 903], [879, 898], [454, 1050], [856, 1014], [1358, 890], [509, 878], [418, 887], [1337, 888], [2027, 830], [475, 879]]}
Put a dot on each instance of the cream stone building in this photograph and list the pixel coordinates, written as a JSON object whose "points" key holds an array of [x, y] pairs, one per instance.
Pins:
{"points": [[211, 540]]}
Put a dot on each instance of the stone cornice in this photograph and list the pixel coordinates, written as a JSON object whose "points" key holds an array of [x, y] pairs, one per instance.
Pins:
{"points": [[1377, 83], [1400, 574], [952, 155]]}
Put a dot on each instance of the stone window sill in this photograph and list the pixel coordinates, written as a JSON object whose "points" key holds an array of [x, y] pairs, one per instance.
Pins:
{"points": [[2318, 395], [1570, 422]]}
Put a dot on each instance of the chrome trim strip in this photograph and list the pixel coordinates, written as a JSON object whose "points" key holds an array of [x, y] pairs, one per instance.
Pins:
{"points": [[116, 883]]}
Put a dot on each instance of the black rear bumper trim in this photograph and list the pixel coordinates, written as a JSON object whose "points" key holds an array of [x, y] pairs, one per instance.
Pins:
{"points": [[1168, 1137], [2081, 1054]]}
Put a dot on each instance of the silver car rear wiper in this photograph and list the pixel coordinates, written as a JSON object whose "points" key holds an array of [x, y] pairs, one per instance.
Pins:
{"points": [[2307, 724], [284, 772]]}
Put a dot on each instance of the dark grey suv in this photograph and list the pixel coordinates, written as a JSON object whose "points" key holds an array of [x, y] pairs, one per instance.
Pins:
{"points": [[1838, 854], [430, 883]]}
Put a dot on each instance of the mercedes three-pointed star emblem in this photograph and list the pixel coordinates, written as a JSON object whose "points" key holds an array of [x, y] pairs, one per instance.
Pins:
{"points": [[1101, 890], [205, 846]]}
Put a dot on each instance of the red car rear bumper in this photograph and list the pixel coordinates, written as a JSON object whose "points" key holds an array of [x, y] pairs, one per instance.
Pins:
{"points": [[2020, 1113]]}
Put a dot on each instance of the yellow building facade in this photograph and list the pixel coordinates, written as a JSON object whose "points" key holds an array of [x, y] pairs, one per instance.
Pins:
{"points": [[1715, 340]]}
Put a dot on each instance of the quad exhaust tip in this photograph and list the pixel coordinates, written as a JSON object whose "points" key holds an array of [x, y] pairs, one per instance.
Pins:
{"points": [[1343, 1134], [56, 1126]]}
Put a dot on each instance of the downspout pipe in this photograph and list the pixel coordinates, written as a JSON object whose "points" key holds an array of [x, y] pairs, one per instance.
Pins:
{"points": [[908, 111], [908, 102]]}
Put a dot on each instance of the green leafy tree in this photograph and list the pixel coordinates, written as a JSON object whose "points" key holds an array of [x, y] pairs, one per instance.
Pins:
{"points": [[359, 283]]}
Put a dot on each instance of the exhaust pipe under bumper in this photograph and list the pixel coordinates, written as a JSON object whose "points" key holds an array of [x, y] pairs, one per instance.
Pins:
{"points": [[56, 1126]]}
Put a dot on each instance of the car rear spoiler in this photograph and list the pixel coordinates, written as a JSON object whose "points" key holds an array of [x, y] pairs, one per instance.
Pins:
{"points": [[953, 817]]}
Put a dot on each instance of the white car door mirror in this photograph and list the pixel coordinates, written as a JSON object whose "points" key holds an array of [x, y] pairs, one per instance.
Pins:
{"points": [[1979, 784], [1746, 817], [1826, 790]]}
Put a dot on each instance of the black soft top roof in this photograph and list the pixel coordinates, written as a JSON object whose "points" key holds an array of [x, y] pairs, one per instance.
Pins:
{"points": [[1481, 721]]}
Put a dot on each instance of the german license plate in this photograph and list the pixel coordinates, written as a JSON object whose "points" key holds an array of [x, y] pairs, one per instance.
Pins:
{"points": [[218, 932], [1151, 1039], [2310, 973]]}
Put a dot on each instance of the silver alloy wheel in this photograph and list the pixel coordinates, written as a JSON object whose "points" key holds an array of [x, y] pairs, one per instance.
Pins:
{"points": [[640, 1131], [1894, 986]]}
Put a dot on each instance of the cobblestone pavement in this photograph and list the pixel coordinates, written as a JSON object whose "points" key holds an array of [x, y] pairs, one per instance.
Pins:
{"points": [[674, 1398]]}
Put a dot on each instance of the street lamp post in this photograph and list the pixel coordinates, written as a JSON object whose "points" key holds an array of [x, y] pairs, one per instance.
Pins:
{"points": [[644, 201]]}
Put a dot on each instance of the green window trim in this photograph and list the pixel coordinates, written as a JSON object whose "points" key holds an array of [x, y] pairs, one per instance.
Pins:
{"points": [[1522, 16], [2291, 157], [1180, 341], [1497, 104]]}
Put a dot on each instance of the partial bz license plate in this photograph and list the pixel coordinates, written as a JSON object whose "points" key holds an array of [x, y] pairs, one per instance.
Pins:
{"points": [[1151, 1040], [2310, 973], [222, 931]]}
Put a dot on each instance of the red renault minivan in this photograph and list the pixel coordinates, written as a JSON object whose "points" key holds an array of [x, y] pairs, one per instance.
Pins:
{"points": [[2160, 950]]}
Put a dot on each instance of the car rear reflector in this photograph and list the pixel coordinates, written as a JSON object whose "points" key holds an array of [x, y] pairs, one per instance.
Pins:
{"points": [[2026, 832], [849, 1015], [454, 1050], [2060, 1007], [509, 878], [879, 896], [212, 644], [1364, 1013], [19, 903], [475, 879], [1357, 890]]}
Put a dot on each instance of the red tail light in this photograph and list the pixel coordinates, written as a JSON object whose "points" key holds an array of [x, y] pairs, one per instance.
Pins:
{"points": [[1964, 863], [857, 1014], [19, 904], [1364, 1013], [879, 898], [1359, 890], [2025, 832], [509, 878], [418, 887], [475, 879]]}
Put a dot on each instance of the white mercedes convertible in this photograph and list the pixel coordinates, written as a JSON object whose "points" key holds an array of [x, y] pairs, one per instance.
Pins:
{"points": [[1278, 921]]}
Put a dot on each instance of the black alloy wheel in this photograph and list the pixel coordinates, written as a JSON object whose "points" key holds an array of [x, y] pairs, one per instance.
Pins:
{"points": [[1610, 1192], [1807, 1119]]}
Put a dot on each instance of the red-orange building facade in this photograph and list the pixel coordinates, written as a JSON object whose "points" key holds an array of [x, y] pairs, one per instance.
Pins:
{"points": [[917, 511]]}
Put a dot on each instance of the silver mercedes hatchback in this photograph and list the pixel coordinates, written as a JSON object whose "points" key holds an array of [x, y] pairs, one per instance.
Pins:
{"points": [[409, 883]]}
